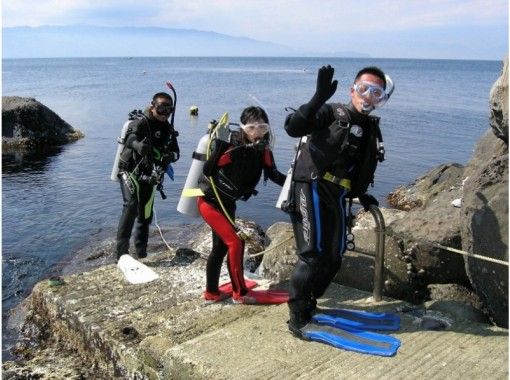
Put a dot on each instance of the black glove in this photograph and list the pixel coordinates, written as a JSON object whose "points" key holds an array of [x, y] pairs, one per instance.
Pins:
{"points": [[366, 200], [325, 86], [142, 148], [168, 158]]}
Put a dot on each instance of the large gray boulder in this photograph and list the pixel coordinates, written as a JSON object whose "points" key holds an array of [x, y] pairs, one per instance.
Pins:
{"points": [[499, 105], [280, 256], [443, 178], [484, 219], [29, 125], [484, 225], [422, 229], [432, 221], [486, 149]]}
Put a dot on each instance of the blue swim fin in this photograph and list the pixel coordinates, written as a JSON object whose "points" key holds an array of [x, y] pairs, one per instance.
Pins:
{"points": [[356, 319], [352, 340]]}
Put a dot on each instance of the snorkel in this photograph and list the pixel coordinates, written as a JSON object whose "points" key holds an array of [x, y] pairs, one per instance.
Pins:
{"points": [[381, 100], [169, 85]]}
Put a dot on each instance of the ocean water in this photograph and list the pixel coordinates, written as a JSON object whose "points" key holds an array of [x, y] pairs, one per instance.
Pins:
{"points": [[56, 204]]}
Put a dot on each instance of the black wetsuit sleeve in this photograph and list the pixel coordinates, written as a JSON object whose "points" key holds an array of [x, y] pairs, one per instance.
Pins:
{"points": [[218, 148], [274, 174], [277, 177], [135, 133], [307, 119], [173, 145]]}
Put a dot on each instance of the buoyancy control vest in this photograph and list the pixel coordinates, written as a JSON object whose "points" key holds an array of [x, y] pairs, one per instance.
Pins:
{"points": [[238, 169], [349, 148], [160, 136]]}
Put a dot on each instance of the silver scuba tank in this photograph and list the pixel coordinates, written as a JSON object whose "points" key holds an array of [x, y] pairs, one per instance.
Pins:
{"points": [[188, 202], [285, 195], [285, 192], [121, 141]]}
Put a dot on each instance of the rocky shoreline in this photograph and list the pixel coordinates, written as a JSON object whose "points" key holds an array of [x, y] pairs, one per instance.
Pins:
{"points": [[146, 331]]}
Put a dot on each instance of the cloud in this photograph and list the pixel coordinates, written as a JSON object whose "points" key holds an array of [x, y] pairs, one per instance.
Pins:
{"points": [[419, 14], [69, 12], [313, 25], [257, 16]]}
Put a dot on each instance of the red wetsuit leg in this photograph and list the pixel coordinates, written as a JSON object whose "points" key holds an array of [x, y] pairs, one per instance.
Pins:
{"points": [[222, 227]]}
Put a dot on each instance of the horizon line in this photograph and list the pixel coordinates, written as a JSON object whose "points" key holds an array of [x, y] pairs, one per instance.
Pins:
{"points": [[260, 56]]}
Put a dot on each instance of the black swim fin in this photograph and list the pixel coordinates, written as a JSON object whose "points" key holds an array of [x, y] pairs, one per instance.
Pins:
{"points": [[364, 342], [357, 319]]}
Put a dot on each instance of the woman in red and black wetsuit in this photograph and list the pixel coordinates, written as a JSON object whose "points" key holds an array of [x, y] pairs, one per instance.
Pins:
{"points": [[235, 165]]}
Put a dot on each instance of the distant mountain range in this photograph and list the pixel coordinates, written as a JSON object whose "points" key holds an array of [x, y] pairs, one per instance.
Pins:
{"points": [[98, 41]]}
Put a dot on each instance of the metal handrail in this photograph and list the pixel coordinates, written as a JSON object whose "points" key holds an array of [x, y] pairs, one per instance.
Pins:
{"points": [[380, 230]]}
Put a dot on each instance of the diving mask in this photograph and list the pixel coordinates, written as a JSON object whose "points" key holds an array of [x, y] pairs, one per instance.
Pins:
{"points": [[255, 131], [259, 128], [373, 95], [164, 109], [369, 91]]}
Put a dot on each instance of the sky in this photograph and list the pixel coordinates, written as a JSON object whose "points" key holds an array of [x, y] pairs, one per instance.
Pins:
{"points": [[444, 29]]}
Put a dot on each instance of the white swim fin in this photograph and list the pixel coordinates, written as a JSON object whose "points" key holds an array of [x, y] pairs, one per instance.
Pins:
{"points": [[135, 271]]}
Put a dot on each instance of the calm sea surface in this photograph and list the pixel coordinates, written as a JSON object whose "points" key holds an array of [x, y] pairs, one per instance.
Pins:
{"points": [[54, 205]]}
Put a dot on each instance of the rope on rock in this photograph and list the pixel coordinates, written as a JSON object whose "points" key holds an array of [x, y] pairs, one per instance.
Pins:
{"points": [[501, 262], [202, 255], [159, 229], [268, 250]]}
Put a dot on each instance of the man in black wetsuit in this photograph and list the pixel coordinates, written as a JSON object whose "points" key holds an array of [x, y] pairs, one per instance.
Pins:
{"points": [[151, 145], [335, 161]]}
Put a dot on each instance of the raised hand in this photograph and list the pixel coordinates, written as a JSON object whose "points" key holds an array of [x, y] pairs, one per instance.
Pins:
{"points": [[222, 131], [326, 86]]}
